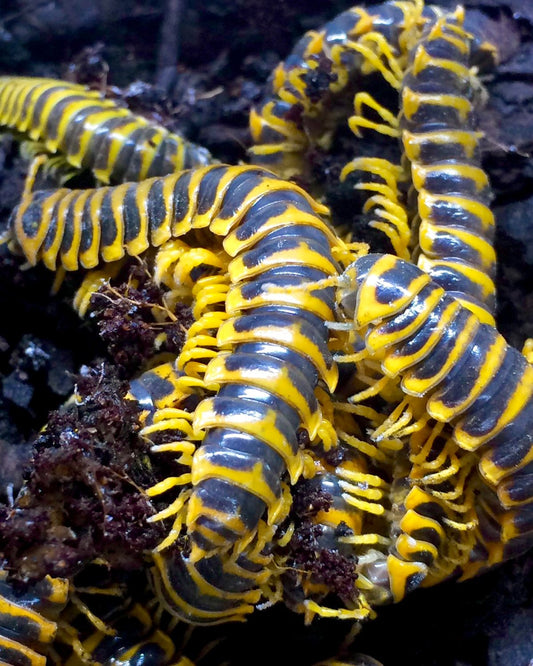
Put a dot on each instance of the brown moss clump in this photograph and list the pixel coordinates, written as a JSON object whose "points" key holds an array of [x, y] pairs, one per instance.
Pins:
{"points": [[83, 494], [131, 317], [325, 564]]}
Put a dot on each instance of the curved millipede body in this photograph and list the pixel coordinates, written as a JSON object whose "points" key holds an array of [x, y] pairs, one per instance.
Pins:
{"points": [[92, 132], [212, 590], [340, 516], [215, 589], [296, 109], [391, 517], [466, 376], [28, 620], [273, 344], [303, 100], [132, 640], [439, 97], [426, 55]]}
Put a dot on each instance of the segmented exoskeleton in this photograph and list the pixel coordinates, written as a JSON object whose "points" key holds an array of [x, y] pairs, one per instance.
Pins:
{"points": [[338, 516], [296, 110], [299, 108], [28, 620], [440, 138], [214, 589], [272, 346], [441, 142], [457, 371], [92, 132], [130, 639]]}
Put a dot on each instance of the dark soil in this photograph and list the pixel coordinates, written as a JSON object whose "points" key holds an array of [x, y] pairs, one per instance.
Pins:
{"points": [[202, 65]]}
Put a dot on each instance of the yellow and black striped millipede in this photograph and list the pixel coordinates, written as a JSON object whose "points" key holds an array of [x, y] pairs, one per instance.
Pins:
{"points": [[468, 376], [282, 266], [28, 620], [92, 132], [293, 113], [249, 208], [273, 345], [427, 55], [439, 99]]}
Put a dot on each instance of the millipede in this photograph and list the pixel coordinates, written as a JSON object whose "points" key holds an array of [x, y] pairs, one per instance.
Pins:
{"points": [[28, 619], [376, 523], [272, 347], [214, 589], [426, 55], [130, 638], [298, 109], [440, 487], [92, 132], [294, 110], [459, 371], [336, 515]]}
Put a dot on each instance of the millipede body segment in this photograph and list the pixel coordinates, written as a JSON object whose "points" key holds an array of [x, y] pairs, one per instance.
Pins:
{"points": [[215, 589], [425, 54], [452, 494], [92, 132], [298, 108], [130, 638]]}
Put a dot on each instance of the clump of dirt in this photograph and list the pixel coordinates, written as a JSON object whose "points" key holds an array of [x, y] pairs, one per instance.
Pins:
{"points": [[83, 494], [127, 317], [309, 554]]}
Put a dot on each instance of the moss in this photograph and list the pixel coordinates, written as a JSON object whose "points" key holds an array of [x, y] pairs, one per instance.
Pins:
{"points": [[126, 324], [82, 498], [326, 565]]}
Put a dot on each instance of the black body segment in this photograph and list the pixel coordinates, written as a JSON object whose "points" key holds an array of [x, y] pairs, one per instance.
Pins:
{"points": [[271, 349], [28, 620]]}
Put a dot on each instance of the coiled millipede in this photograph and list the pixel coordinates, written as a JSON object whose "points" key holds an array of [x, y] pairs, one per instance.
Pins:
{"points": [[461, 382], [267, 338], [295, 112], [426, 55], [441, 487], [28, 620]]}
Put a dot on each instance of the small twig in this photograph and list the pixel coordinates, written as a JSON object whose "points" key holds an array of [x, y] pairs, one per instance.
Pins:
{"points": [[132, 301], [169, 44]]}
